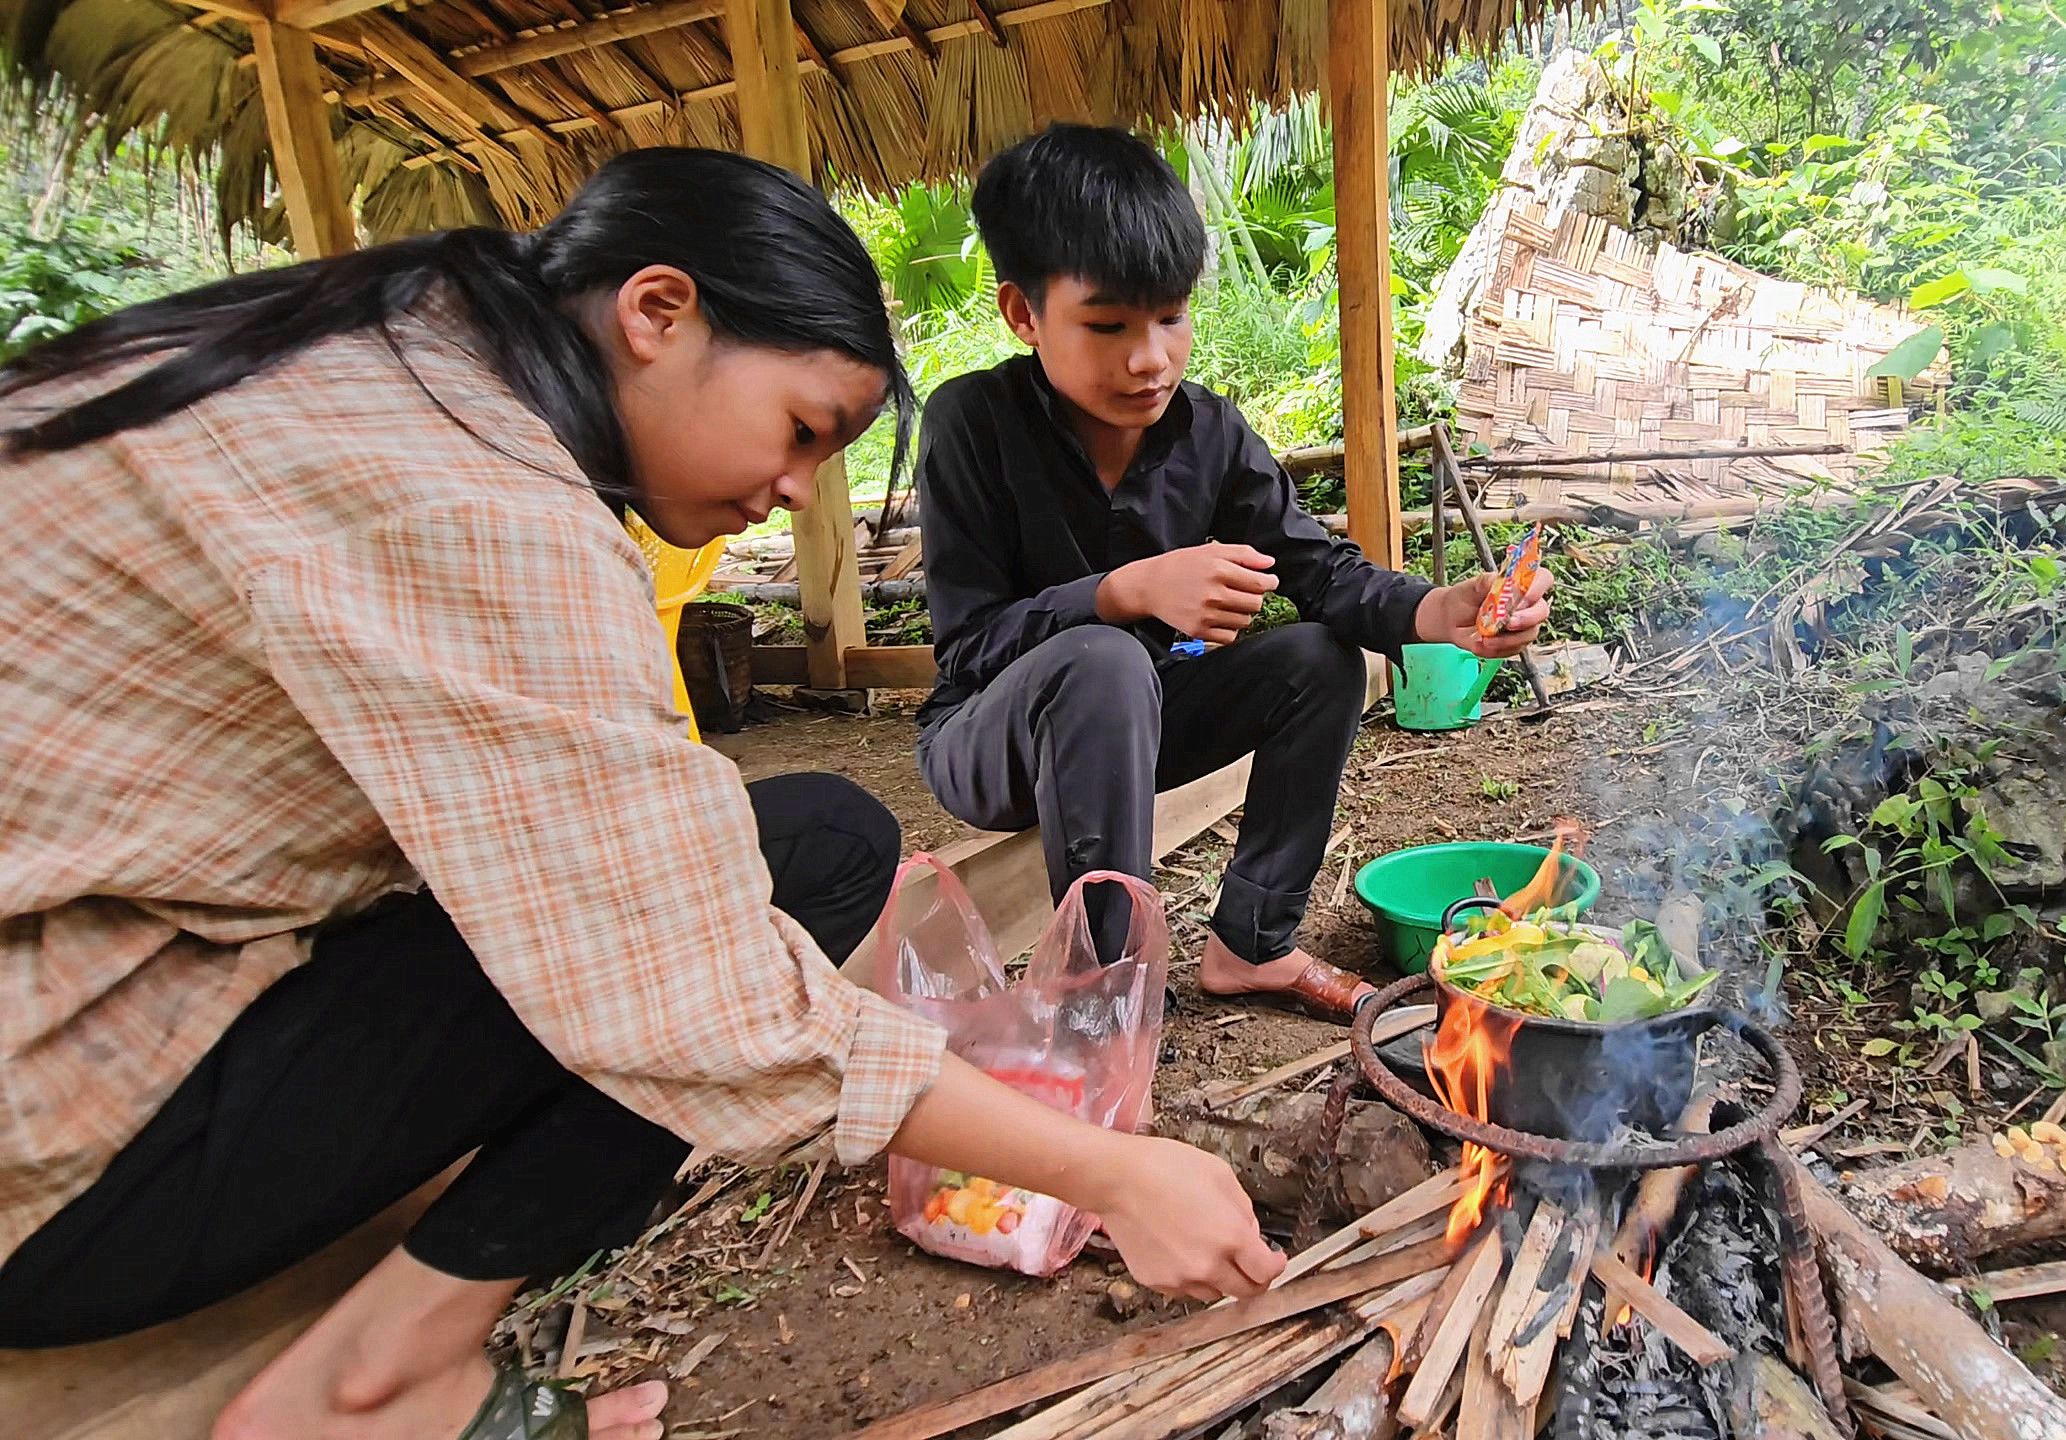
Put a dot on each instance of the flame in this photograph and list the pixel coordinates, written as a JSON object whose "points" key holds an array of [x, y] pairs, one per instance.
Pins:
{"points": [[1550, 882], [1647, 1269], [1468, 1050]]}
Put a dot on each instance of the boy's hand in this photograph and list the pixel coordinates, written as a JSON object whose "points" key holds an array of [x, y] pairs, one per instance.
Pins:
{"points": [[1208, 592], [1450, 616]]}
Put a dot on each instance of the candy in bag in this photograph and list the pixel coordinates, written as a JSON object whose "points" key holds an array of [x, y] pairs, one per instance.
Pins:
{"points": [[1510, 590], [1074, 1034]]}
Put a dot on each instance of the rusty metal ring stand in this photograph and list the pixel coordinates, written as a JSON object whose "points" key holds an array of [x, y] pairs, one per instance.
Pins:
{"points": [[1521, 1144]]}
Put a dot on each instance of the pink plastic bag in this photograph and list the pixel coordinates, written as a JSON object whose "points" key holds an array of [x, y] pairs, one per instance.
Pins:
{"points": [[1074, 1034]]}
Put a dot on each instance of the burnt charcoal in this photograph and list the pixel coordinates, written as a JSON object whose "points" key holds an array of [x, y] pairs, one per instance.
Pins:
{"points": [[1722, 1267], [1551, 1311]]}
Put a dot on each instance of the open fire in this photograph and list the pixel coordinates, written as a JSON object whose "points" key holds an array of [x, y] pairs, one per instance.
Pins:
{"points": [[1470, 1048], [1473, 1046], [1530, 1234]]}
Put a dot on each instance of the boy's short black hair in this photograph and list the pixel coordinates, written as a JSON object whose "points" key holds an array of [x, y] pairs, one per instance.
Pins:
{"points": [[1094, 203]]}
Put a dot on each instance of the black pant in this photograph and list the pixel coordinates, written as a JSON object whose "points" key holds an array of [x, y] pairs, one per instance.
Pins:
{"points": [[1080, 733], [370, 1069]]}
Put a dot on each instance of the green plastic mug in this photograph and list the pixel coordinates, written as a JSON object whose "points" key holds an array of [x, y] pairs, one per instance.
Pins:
{"points": [[1441, 688]]}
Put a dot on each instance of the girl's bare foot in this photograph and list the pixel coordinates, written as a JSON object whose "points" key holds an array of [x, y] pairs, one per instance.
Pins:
{"points": [[628, 1414], [399, 1358], [1222, 972]]}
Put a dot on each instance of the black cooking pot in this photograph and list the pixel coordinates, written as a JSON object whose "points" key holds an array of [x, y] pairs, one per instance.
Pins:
{"points": [[1580, 1080]]}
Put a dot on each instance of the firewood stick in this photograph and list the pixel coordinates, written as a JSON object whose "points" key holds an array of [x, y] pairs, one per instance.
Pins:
{"points": [[1414, 1234], [1246, 1377], [1437, 1193], [1432, 1198], [1479, 1418], [1221, 1093], [1403, 1021], [1776, 1404], [1344, 1247], [1415, 1344], [1543, 1229], [1528, 1365], [1702, 1345], [1980, 1390], [1656, 1204], [1350, 1405], [2022, 1282], [1882, 1404], [1806, 1137], [1588, 1231], [1233, 1361], [1445, 1407], [1175, 1338], [1452, 1334], [1152, 1387]]}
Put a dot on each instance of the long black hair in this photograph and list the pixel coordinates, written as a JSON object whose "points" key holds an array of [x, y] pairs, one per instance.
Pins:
{"points": [[774, 263]]}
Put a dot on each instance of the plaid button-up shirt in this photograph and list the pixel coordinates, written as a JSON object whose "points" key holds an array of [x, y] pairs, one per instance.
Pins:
{"points": [[359, 623]]}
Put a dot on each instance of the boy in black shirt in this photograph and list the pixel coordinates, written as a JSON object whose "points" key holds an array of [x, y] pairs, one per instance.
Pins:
{"points": [[1085, 511]]}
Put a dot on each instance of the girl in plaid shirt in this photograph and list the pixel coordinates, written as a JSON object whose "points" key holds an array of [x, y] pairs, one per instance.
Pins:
{"points": [[347, 832]]}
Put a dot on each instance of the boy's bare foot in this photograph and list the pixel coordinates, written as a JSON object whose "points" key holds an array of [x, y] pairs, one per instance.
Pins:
{"points": [[1222, 972]]}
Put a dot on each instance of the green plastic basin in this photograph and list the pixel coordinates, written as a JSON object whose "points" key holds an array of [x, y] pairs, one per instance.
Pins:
{"points": [[1408, 890]]}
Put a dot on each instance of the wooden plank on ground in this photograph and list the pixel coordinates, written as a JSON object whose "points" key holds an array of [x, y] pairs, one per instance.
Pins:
{"points": [[1175, 1338], [168, 1382]]}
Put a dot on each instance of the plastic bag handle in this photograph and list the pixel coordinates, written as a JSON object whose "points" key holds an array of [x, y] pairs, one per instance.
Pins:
{"points": [[881, 976]]}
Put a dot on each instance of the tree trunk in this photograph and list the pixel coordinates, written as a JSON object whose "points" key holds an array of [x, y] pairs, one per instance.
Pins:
{"points": [[1944, 1213], [1977, 1388], [1267, 1138]]}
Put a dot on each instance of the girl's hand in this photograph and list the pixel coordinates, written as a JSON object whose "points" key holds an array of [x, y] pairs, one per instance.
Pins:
{"points": [[1180, 1219], [1450, 616]]}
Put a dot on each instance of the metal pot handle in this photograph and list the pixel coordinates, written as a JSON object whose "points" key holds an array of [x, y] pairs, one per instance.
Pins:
{"points": [[1469, 902]]}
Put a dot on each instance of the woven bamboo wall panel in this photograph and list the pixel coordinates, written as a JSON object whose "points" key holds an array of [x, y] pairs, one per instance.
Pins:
{"points": [[1589, 341]]}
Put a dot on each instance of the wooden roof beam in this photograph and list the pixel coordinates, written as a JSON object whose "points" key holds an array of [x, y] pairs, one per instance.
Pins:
{"points": [[891, 16], [245, 10], [314, 14], [987, 18], [550, 81], [478, 110], [852, 55], [550, 44], [249, 13], [816, 55]]}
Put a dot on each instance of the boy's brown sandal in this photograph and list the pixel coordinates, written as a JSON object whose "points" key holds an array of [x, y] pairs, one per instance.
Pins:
{"points": [[519, 1408], [1328, 989]]}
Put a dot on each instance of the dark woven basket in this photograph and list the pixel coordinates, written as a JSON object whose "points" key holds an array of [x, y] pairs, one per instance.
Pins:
{"points": [[715, 647]]}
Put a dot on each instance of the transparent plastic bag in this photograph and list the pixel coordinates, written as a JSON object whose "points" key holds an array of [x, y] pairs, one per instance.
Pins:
{"points": [[1076, 1035]]}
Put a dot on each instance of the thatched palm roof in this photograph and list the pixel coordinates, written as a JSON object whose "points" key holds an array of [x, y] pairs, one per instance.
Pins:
{"points": [[527, 96]]}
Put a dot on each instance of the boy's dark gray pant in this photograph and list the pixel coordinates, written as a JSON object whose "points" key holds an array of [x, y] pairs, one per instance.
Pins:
{"points": [[1080, 733]]}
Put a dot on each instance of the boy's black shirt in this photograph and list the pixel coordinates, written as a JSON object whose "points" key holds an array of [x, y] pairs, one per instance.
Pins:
{"points": [[1019, 531]]}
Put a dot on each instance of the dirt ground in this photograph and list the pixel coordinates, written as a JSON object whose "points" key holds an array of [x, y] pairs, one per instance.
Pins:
{"points": [[781, 1308]]}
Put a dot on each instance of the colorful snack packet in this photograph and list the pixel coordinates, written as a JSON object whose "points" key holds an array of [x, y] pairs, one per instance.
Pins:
{"points": [[1523, 559]]}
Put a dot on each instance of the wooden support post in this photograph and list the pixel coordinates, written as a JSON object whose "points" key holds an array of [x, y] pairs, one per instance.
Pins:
{"points": [[298, 123], [773, 127], [1359, 67]]}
